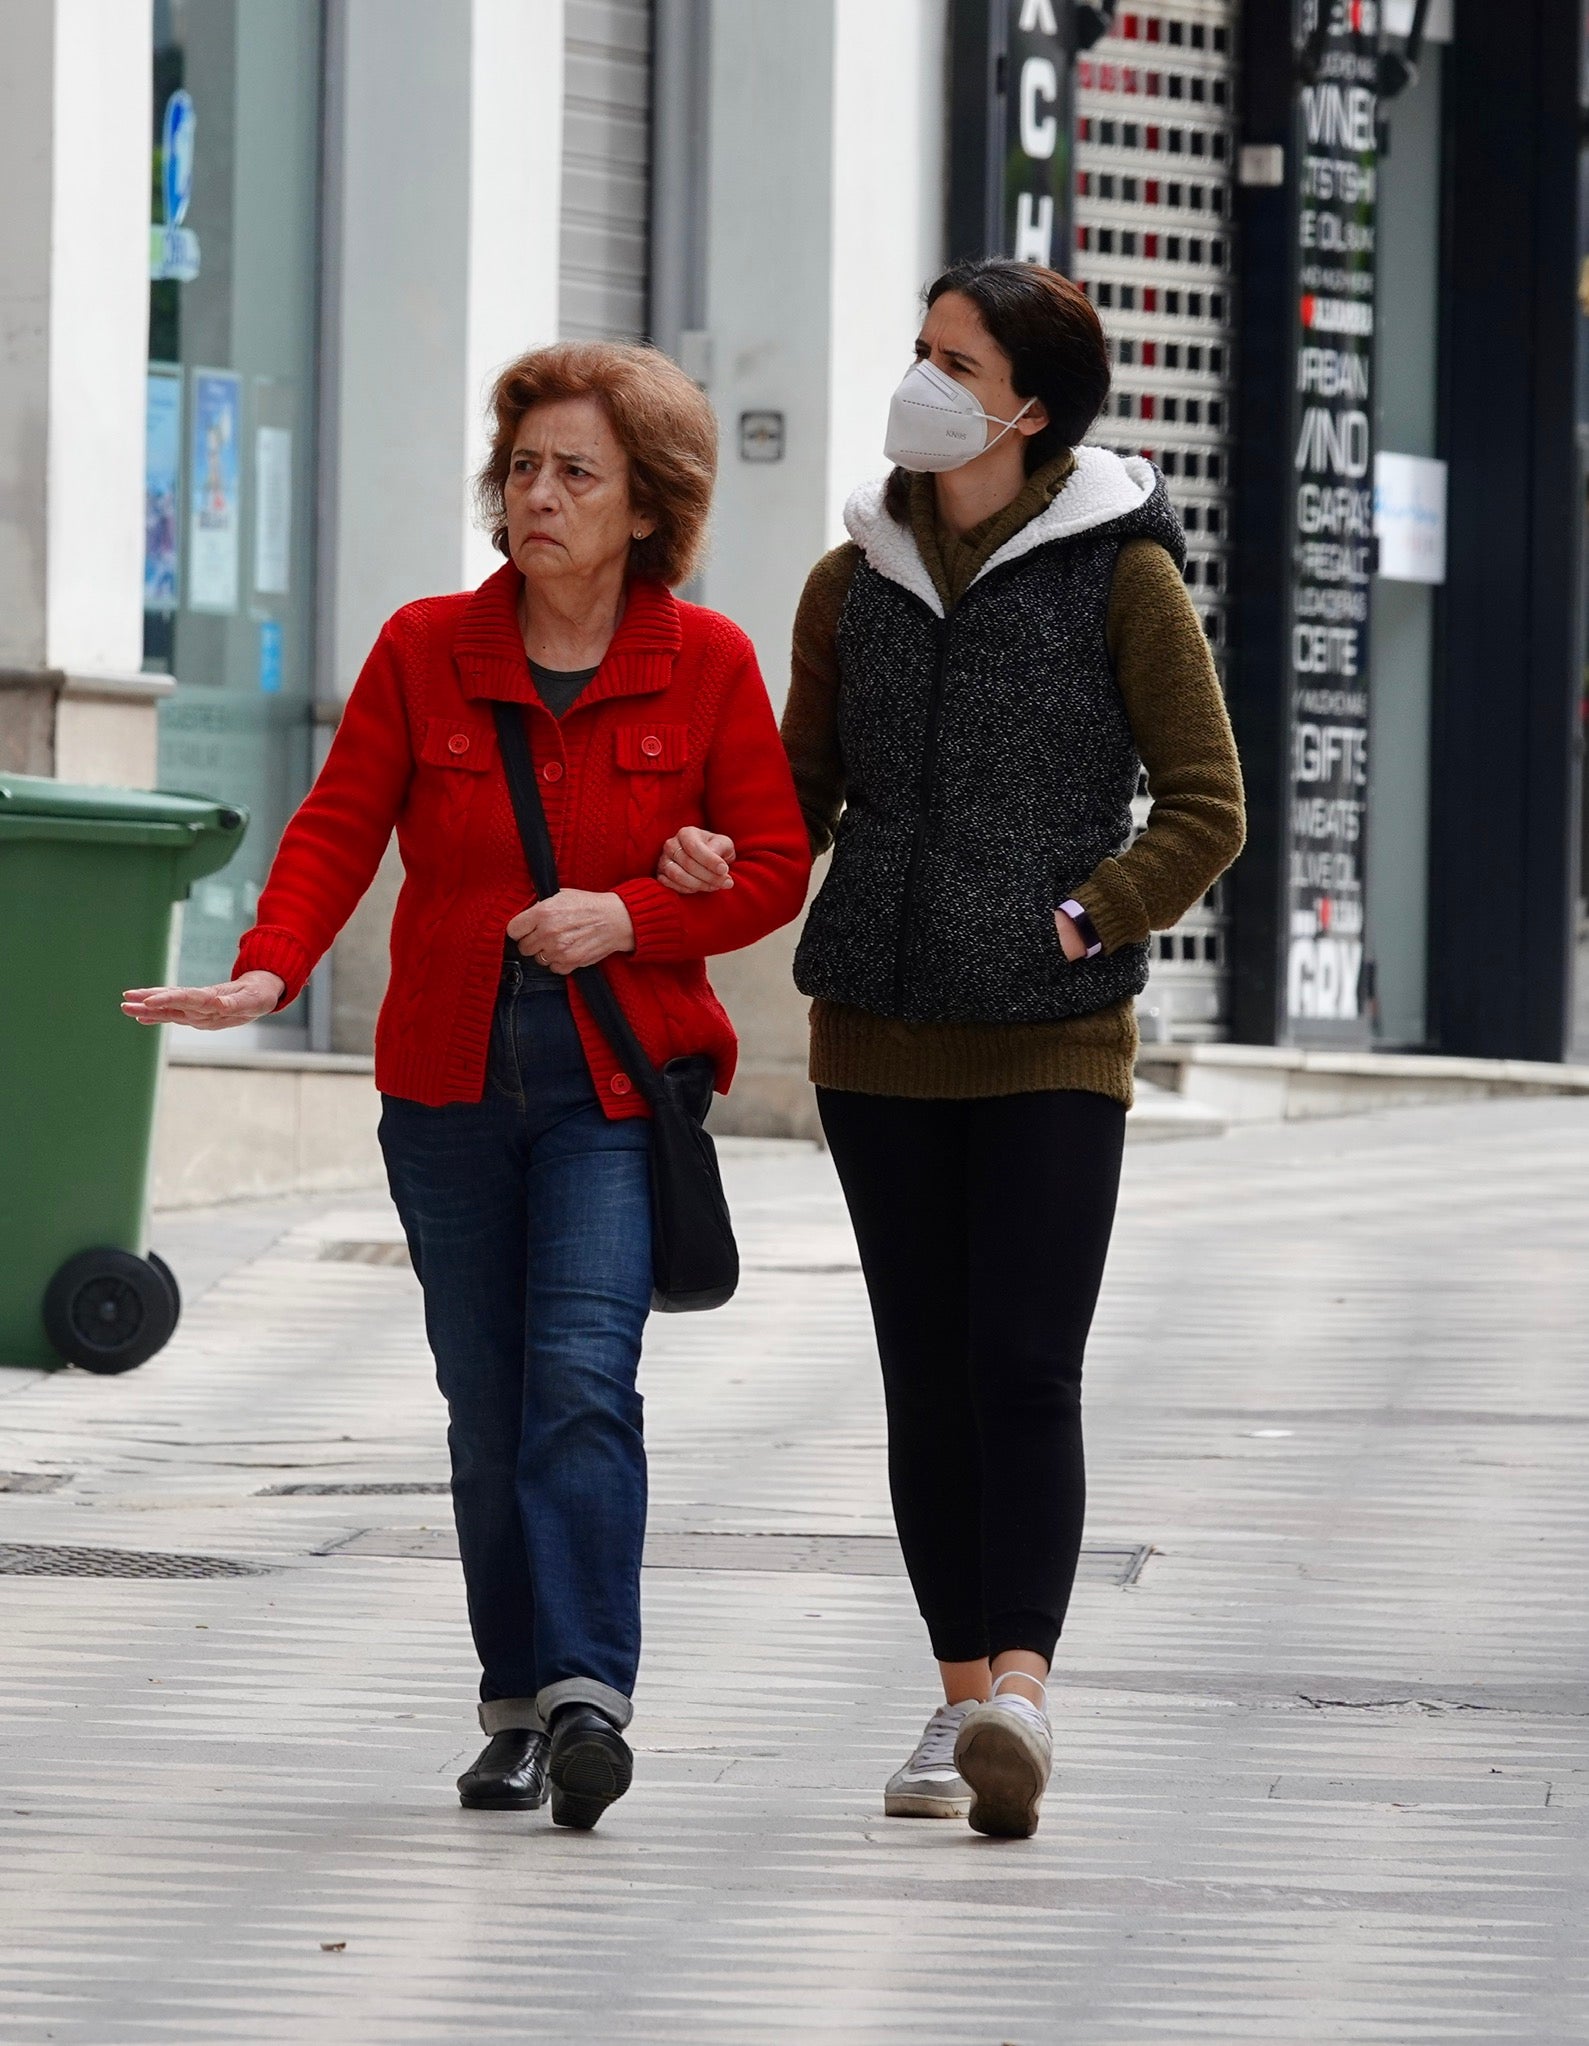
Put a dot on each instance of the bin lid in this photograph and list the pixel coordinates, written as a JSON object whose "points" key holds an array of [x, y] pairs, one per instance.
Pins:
{"points": [[203, 832], [31, 795]]}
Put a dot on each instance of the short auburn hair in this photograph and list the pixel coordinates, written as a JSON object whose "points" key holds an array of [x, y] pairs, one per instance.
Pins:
{"points": [[663, 422]]}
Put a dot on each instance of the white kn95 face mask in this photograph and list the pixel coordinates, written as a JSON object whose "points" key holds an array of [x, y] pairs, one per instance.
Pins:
{"points": [[935, 424]]}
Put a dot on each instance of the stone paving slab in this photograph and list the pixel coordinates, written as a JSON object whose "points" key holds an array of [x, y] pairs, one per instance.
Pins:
{"points": [[1323, 1759]]}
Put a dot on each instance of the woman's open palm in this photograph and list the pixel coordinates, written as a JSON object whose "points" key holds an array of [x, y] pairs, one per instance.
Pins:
{"points": [[221, 1007]]}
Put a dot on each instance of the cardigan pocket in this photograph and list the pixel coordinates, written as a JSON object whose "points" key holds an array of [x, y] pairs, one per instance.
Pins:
{"points": [[460, 743], [652, 748]]}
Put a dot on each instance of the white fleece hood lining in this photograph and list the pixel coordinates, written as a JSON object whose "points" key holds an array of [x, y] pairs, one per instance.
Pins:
{"points": [[1102, 487]]}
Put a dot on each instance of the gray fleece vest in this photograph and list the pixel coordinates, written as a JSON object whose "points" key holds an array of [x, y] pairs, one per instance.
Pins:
{"points": [[989, 767]]}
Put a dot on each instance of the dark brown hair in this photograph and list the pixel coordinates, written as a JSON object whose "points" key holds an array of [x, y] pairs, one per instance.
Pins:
{"points": [[1054, 339], [663, 422]]}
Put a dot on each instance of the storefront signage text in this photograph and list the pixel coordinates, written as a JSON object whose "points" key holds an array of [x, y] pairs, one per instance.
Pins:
{"points": [[1332, 537], [1037, 128]]}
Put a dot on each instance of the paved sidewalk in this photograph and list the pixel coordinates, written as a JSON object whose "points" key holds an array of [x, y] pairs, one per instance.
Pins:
{"points": [[1322, 1754]]}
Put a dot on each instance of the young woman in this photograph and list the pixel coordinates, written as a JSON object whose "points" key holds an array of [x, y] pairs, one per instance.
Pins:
{"points": [[979, 677], [515, 1145]]}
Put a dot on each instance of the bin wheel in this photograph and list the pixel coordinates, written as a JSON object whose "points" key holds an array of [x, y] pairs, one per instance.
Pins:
{"points": [[108, 1310], [170, 1278]]}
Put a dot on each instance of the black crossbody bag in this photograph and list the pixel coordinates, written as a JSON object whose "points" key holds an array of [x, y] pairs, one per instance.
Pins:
{"points": [[695, 1260]]}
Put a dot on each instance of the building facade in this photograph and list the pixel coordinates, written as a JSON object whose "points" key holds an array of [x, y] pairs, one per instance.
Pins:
{"points": [[277, 248]]}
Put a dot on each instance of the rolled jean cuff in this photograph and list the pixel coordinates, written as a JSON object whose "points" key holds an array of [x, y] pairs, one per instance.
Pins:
{"points": [[584, 1691], [511, 1715]]}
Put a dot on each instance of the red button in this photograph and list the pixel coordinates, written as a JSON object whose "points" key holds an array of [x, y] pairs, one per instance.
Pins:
{"points": [[458, 743], [552, 771], [622, 1084], [651, 746]]}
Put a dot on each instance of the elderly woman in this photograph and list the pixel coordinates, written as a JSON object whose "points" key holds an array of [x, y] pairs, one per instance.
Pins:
{"points": [[515, 1145]]}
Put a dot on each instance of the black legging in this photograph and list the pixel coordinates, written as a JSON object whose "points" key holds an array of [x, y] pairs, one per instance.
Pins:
{"points": [[983, 1227]]}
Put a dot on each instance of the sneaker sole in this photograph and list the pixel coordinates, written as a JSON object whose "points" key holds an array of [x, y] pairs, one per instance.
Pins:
{"points": [[908, 1804], [588, 1776], [1007, 1776]]}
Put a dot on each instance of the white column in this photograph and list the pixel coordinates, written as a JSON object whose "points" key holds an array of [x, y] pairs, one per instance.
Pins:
{"points": [[75, 115], [825, 220], [888, 219], [448, 192], [770, 206]]}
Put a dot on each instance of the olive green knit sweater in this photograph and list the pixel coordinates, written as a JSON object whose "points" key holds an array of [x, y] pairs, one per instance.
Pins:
{"points": [[1195, 829]]}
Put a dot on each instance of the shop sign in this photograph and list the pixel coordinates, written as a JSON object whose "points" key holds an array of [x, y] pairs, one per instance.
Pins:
{"points": [[1010, 129], [1332, 522], [1037, 134], [173, 248], [1410, 518]]}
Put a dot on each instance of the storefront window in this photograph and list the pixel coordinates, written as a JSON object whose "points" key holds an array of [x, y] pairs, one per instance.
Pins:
{"points": [[229, 556]]}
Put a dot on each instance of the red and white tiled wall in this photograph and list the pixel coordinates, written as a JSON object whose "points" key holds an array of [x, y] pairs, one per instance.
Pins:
{"points": [[1154, 210]]}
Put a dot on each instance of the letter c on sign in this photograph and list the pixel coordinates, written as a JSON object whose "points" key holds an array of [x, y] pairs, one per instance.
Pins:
{"points": [[1039, 81]]}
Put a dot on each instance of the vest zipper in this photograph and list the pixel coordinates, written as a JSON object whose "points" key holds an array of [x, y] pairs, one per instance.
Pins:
{"points": [[918, 844]]}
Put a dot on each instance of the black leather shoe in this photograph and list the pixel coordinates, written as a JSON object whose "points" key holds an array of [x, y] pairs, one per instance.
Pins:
{"points": [[509, 1776], [591, 1766]]}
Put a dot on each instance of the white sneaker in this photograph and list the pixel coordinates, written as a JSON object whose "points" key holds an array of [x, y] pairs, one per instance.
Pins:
{"points": [[929, 1787], [1005, 1752]]}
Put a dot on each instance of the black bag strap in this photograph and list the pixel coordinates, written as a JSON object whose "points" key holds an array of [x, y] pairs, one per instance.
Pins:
{"points": [[518, 764]]}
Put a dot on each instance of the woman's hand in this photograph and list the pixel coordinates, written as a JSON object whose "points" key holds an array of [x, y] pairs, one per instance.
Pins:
{"points": [[222, 1007], [697, 862], [575, 928], [1071, 941]]}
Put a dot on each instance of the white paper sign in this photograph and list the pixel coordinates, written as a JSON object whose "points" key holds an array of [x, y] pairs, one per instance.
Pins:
{"points": [[1410, 518], [272, 510]]}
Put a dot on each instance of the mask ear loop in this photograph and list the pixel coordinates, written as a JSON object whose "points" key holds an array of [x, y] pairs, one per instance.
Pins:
{"points": [[1006, 425]]}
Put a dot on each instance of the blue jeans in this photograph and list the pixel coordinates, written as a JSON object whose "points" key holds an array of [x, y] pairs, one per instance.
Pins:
{"points": [[528, 1218]]}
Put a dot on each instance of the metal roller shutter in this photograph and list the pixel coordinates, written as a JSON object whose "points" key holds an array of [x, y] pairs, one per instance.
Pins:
{"points": [[1155, 169], [606, 220]]}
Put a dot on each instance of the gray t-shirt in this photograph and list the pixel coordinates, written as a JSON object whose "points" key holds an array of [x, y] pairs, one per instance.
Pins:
{"points": [[561, 688]]}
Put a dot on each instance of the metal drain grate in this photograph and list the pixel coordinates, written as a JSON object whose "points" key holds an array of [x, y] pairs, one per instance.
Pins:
{"points": [[349, 1253], [388, 1489], [28, 1559], [821, 1554], [31, 1481]]}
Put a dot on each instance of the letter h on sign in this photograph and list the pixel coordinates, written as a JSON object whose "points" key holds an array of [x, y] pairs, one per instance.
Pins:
{"points": [[1010, 130], [1036, 161]]}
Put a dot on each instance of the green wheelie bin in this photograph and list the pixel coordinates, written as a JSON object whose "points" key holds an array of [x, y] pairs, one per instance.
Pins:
{"points": [[88, 880]]}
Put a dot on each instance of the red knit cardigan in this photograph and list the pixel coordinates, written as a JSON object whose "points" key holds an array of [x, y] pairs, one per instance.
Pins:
{"points": [[675, 729]]}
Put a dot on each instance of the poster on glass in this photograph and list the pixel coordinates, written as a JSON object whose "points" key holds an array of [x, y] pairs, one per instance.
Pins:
{"points": [[162, 503], [214, 522]]}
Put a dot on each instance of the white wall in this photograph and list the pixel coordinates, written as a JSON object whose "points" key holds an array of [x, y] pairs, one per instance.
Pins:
{"points": [[27, 93], [770, 185], [448, 193], [888, 219], [825, 221], [74, 318]]}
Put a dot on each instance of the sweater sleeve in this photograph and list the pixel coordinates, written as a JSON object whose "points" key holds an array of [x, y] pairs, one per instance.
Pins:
{"points": [[1196, 825], [811, 715], [334, 842], [749, 795]]}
